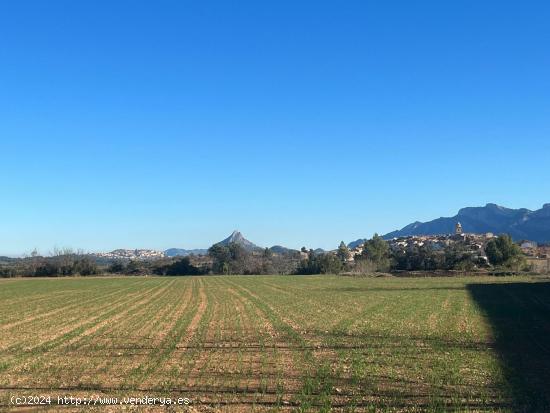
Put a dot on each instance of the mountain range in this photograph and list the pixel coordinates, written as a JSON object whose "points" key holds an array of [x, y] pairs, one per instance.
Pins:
{"points": [[520, 223]]}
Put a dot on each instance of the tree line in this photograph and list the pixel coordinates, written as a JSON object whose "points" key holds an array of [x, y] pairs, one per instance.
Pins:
{"points": [[62, 263], [376, 256]]}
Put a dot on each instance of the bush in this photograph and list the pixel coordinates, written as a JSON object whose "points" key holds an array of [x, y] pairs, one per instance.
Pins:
{"points": [[46, 269], [503, 252], [417, 258], [84, 266], [135, 267], [116, 267], [7, 272], [320, 264], [182, 266], [364, 266], [377, 252]]}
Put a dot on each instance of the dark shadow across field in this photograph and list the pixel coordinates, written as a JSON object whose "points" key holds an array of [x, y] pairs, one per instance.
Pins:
{"points": [[520, 316]]}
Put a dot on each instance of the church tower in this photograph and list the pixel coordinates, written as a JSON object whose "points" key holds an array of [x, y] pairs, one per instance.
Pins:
{"points": [[458, 228]]}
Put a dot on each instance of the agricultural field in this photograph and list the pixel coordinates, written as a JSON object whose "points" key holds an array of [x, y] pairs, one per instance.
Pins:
{"points": [[279, 343]]}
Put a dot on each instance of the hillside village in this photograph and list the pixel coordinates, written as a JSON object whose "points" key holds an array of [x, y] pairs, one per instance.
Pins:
{"points": [[128, 254], [474, 243]]}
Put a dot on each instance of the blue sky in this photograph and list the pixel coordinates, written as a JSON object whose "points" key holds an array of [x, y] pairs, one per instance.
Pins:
{"points": [[170, 123]]}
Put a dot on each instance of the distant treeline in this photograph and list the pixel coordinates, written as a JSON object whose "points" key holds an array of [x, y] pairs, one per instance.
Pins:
{"points": [[377, 256], [61, 264]]}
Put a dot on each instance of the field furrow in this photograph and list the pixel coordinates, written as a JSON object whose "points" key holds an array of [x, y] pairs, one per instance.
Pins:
{"points": [[272, 343]]}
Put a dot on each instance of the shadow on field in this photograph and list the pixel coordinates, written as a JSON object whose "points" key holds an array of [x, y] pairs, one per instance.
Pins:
{"points": [[520, 316]]}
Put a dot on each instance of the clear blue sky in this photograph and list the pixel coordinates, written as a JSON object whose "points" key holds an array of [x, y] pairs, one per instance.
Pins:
{"points": [[156, 124]]}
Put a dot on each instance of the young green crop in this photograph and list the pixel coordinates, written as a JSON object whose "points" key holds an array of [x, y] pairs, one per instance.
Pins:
{"points": [[282, 343]]}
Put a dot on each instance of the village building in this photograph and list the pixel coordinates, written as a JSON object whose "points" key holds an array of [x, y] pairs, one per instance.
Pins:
{"points": [[458, 228]]}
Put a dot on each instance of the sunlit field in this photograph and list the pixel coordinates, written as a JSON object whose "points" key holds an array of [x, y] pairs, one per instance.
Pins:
{"points": [[279, 343]]}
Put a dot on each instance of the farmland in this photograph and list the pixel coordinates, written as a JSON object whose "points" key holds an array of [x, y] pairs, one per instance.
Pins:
{"points": [[280, 343]]}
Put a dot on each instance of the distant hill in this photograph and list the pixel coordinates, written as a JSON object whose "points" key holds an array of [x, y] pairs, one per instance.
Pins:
{"points": [[519, 223], [237, 238], [180, 252], [278, 249], [8, 259], [356, 243]]}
